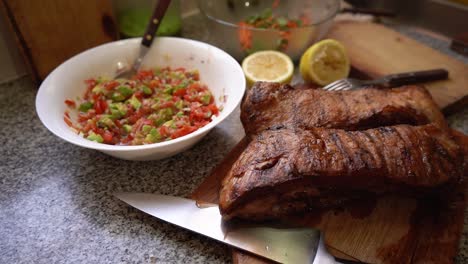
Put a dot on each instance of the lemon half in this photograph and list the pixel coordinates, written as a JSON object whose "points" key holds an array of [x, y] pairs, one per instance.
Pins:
{"points": [[268, 65], [324, 62]]}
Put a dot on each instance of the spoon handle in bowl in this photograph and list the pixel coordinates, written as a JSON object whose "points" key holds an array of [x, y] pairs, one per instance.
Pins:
{"points": [[154, 22]]}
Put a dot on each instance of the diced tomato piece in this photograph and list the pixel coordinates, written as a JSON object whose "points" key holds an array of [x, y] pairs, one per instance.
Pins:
{"points": [[68, 121], [139, 94], [111, 85], [99, 131], [163, 131], [188, 97], [141, 75], [194, 86], [154, 84], [130, 112], [127, 139], [108, 137], [167, 104], [90, 83], [103, 104], [83, 117], [147, 122], [95, 97], [117, 123], [214, 109], [176, 82], [185, 130], [70, 103], [134, 118], [179, 92], [200, 123], [100, 106], [89, 126]]}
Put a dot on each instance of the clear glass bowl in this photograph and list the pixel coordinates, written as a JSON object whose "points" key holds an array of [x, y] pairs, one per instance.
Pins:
{"points": [[225, 32]]}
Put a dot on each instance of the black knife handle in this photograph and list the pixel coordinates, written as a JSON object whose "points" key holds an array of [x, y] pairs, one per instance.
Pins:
{"points": [[154, 22], [395, 80]]}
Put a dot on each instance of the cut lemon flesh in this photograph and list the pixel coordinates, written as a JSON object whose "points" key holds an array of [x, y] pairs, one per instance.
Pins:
{"points": [[324, 62], [269, 65]]}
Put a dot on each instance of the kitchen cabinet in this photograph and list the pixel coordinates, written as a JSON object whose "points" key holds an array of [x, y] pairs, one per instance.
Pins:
{"points": [[49, 32]]}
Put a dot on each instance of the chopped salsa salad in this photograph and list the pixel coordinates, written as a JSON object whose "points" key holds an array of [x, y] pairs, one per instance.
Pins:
{"points": [[153, 106], [267, 19]]}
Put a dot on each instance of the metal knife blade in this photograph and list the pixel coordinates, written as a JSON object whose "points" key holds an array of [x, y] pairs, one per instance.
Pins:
{"points": [[297, 245]]}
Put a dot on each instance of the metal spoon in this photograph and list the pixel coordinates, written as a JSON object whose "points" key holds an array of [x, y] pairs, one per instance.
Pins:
{"points": [[123, 71]]}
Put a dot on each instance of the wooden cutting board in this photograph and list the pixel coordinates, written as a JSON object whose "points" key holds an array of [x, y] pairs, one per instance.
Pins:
{"points": [[394, 229], [391, 230], [376, 50]]}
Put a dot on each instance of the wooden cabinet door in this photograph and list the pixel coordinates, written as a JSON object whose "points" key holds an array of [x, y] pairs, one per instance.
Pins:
{"points": [[51, 31]]}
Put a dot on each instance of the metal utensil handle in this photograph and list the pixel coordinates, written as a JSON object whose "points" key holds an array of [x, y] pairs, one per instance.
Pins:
{"points": [[154, 22], [400, 79], [369, 11]]}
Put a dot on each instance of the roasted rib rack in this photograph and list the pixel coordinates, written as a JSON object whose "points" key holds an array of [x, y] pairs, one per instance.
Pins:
{"points": [[310, 148]]}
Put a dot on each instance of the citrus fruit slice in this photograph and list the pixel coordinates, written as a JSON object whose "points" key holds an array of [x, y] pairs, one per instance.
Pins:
{"points": [[324, 62], [268, 65]]}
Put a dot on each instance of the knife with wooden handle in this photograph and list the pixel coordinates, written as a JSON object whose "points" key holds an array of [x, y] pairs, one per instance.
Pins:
{"points": [[283, 245]]}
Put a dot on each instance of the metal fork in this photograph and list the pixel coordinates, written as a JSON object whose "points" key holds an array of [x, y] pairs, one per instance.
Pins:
{"points": [[389, 81], [126, 71]]}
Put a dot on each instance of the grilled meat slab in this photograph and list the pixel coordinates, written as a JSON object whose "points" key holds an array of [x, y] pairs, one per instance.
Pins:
{"points": [[272, 105], [286, 171]]}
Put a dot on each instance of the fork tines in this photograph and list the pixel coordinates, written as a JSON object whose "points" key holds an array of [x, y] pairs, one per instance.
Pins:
{"points": [[339, 85]]}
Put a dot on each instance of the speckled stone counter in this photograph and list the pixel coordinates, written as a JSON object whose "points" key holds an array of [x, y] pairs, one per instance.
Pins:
{"points": [[56, 203]]}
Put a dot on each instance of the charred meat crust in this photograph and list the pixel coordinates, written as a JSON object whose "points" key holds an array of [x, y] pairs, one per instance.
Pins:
{"points": [[379, 160], [271, 105]]}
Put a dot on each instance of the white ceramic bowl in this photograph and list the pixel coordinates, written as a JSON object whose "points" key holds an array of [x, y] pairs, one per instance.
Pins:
{"points": [[218, 70]]}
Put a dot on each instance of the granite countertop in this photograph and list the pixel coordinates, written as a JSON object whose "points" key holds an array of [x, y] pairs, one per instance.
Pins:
{"points": [[56, 203]]}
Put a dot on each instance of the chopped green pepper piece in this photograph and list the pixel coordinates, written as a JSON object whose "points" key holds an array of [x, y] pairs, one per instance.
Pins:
{"points": [[170, 124], [166, 97], [121, 80], [134, 102], [105, 121], [117, 97], [155, 106], [146, 90], [266, 13], [168, 89], [127, 128], [125, 90], [84, 107], [159, 121], [179, 104], [101, 79], [282, 22], [115, 114], [98, 89], [118, 110], [157, 71], [252, 19], [95, 137], [146, 129], [153, 136], [206, 98], [183, 84], [166, 113]]}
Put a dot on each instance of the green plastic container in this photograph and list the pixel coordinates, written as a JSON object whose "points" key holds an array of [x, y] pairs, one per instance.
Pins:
{"points": [[133, 18]]}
